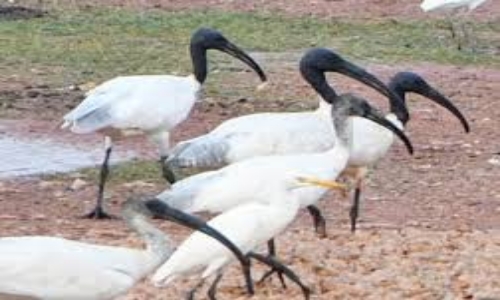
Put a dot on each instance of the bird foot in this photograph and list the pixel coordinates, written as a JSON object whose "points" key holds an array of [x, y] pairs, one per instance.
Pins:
{"points": [[98, 214], [269, 273]]}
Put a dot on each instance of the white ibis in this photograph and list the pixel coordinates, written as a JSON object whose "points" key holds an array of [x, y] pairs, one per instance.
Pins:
{"points": [[229, 187], [276, 200], [215, 192], [152, 104], [449, 6], [45, 267], [263, 134], [371, 143]]}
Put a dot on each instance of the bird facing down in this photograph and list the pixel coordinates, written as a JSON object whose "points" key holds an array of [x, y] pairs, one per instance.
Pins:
{"points": [[275, 206], [263, 134], [51, 268], [217, 191], [153, 104], [255, 180]]}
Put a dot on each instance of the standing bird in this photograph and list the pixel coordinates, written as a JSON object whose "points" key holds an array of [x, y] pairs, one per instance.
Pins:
{"points": [[370, 142], [276, 202], [229, 187], [52, 268], [153, 104], [452, 5], [264, 134], [215, 191]]}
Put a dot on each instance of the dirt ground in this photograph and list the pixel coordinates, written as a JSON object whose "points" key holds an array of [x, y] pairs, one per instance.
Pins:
{"points": [[430, 224]]}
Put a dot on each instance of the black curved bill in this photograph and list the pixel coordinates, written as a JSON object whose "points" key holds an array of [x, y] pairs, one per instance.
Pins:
{"points": [[438, 98], [378, 118], [357, 73], [163, 211], [236, 52]]}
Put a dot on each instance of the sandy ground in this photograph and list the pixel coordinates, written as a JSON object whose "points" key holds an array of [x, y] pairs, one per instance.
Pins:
{"points": [[430, 223]]}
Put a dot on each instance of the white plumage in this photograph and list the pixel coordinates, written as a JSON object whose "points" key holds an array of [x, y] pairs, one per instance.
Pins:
{"points": [[258, 196], [218, 191], [430, 5], [127, 103], [52, 268], [247, 226], [151, 104], [306, 132], [257, 135]]}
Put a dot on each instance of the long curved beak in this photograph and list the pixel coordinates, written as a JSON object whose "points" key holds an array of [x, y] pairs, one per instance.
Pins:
{"points": [[238, 53], [163, 211], [357, 73], [438, 98], [378, 118]]}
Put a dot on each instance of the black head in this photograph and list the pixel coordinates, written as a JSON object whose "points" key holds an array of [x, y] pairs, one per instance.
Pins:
{"points": [[404, 82], [317, 61], [164, 211], [204, 39], [208, 38], [350, 105]]}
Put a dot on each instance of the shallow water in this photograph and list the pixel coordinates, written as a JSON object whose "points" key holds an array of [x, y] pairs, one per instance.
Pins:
{"points": [[21, 157]]}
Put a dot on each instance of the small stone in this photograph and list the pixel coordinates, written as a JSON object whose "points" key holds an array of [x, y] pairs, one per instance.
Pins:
{"points": [[494, 161], [32, 94], [78, 184]]}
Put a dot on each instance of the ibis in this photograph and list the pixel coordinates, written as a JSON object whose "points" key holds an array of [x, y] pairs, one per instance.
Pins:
{"points": [[150, 104], [229, 187], [215, 191], [264, 134], [52, 268], [276, 200]]}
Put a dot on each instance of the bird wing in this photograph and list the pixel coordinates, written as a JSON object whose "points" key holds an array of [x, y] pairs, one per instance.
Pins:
{"points": [[255, 135], [183, 194], [145, 102], [44, 267]]}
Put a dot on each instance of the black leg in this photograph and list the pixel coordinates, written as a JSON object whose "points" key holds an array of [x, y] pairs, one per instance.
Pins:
{"points": [[275, 264], [271, 246], [213, 288], [167, 173], [246, 265], [319, 220], [354, 212], [98, 212], [192, 292]]}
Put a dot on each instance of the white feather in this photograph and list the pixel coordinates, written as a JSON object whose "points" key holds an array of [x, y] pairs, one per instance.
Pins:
{"points": [[431, 5], [279, 134], [52, 268], [148, 102]]}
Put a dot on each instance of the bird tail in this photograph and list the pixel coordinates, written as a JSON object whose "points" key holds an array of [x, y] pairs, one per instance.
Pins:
{"points": [[201, 152]]}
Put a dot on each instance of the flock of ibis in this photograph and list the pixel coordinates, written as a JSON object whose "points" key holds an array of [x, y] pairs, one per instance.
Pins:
{"points": [[264, 168]]}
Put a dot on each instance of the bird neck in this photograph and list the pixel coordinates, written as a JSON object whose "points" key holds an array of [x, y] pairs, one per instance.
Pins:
{"points": [[399, 108], [341, 126], [156, 241], [317, 80], [199, 60]]}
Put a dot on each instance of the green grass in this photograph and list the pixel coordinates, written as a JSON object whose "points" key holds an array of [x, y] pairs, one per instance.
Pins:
{"points": [[79, 46], [95, 45]]}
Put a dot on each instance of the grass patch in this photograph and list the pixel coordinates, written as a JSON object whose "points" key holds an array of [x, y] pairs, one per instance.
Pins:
{"points": [[97, 44], [134, 170]]}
